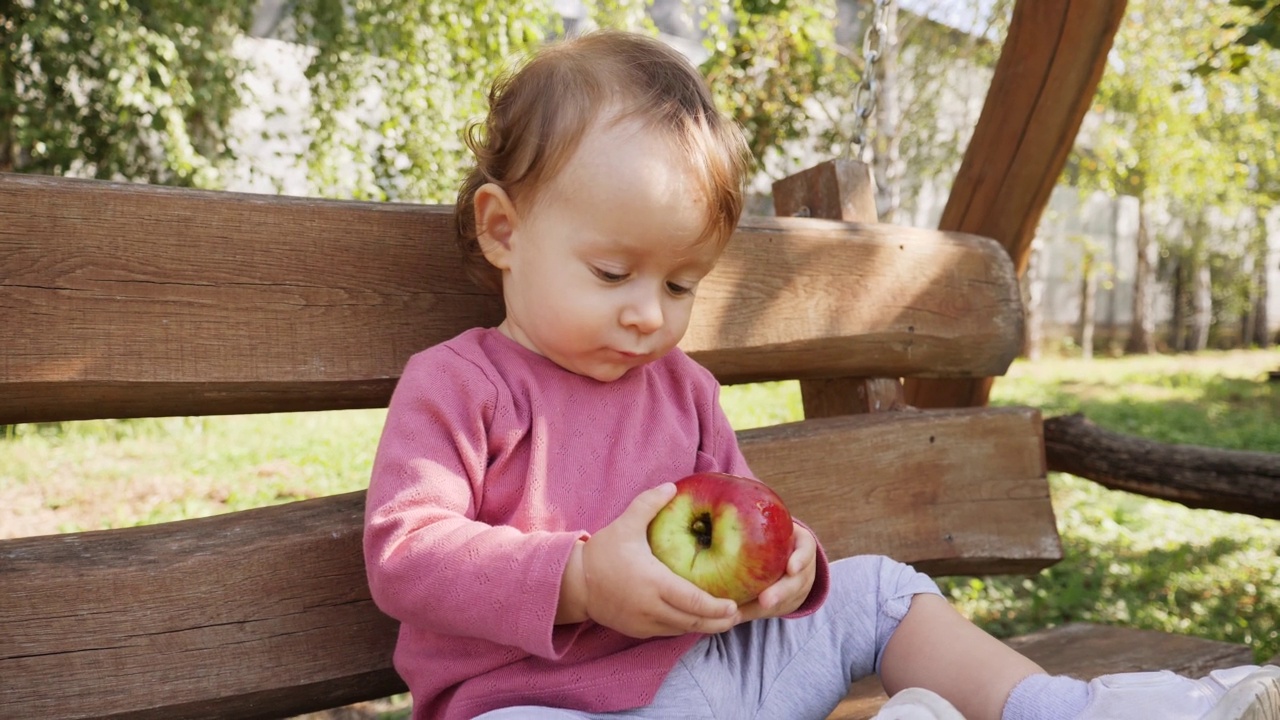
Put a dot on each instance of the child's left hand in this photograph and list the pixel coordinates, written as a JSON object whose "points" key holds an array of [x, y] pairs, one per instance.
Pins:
{"points": [[788, 594]]}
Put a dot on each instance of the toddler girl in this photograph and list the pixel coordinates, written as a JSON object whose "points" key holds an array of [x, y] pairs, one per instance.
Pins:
{"points": [[520, 465]]}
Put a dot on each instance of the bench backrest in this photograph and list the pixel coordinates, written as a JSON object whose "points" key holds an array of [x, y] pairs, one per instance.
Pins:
{"points": [[130, 301]]}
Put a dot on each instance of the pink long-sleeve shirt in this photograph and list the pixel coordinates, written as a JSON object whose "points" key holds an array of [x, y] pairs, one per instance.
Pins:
{"points": [[492, 463]]}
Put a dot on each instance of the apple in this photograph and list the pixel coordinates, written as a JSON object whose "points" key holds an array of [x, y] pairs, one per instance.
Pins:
{"points": [[727, 534]]}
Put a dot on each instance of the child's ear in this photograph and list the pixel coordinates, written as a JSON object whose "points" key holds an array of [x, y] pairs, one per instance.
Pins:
{"points": [[495, 222]]}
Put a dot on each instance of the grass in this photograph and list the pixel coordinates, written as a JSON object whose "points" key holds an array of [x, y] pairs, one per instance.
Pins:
{"points": [[1141, 562], [1129, 560]]}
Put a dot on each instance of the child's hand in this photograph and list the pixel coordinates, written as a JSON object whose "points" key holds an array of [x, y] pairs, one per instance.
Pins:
{"points": [[631, 591], [788, 594]]}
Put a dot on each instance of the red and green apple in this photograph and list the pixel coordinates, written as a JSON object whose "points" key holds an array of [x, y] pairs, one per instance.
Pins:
{"points": [[727, 534]]}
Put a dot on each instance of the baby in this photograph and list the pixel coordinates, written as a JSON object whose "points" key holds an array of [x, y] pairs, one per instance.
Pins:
{"points": [[520, 465]]}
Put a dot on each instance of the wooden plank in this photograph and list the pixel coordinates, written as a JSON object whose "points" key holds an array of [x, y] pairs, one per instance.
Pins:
{"points": [[129, 300], [1044, 83], [1085, 651], [838, 189], [850, 396], [952, 492], [162, 621]]}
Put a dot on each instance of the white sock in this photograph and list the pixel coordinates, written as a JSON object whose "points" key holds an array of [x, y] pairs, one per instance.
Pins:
{"points": [[1046, 697]]}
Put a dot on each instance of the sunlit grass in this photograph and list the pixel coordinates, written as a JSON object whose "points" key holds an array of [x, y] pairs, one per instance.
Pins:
{"points": [[1136, 561]]}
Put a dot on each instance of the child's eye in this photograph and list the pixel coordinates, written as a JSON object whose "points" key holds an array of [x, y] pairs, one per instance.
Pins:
{"points": [[677, 289], [610, 277]]}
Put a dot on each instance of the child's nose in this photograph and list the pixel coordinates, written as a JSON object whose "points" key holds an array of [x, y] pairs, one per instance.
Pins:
{"points": [[643, 312]]}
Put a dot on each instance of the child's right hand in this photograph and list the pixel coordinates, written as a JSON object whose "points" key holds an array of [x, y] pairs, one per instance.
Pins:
{"points": [[631, 591]]}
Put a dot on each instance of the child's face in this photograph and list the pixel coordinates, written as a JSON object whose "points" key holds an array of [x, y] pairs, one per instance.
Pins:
{"points": [[599, 271]]}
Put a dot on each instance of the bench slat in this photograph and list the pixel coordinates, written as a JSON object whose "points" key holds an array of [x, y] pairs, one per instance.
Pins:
{"points": [[951, 491], [190, 605], [131, 300]]}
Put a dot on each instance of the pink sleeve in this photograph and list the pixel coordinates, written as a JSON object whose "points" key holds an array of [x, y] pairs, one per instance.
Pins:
{"points": [[429, 563], [720, 453]]}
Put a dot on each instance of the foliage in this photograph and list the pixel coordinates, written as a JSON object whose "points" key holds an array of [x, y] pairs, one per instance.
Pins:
{"points": [[431, 69], [943, 74], [1197, 149], [770, 62], [144, 89], [119, 89], [394, 82], [1260, 25]]}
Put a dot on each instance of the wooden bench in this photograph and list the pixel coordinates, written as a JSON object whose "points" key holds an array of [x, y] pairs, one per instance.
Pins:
{"points": [[130, 301]]}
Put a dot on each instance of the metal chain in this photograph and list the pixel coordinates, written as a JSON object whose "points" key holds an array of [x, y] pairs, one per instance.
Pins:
{"points": [[864, 100]]}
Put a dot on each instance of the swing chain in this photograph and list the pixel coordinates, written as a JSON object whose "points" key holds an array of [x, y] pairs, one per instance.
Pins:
{"points": [[872, 48]]}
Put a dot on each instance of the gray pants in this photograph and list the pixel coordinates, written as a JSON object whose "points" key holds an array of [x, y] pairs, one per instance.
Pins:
{"points": [[786, 669]]}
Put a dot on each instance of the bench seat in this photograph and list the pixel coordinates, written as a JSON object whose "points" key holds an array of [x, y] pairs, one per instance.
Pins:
{"points": [[135, 301]]}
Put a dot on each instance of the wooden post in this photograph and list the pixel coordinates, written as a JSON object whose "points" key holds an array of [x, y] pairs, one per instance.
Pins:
{"points": [[1044, 83], [837, 190]]}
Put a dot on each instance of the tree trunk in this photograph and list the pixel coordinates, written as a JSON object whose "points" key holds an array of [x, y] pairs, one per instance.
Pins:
{"points": [[1260, 315], [888, 161], [1034, 282], [1178, 323], [1202, 306], [1142, 331], [1198, 477], [1248, 319], [1088, 305], [1261, 320]]}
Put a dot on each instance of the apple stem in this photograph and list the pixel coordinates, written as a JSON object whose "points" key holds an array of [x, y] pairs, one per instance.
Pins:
{"points": [[701, 529]]}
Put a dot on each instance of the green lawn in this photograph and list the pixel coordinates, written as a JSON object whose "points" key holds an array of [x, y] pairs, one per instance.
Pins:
{"points": [[1141, 562], [1129, 560]]}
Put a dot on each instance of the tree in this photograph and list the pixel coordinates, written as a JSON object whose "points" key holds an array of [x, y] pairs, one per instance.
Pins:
{"points": [[1158, 140], [395, 82], [144, 89], [932, 82], [1260, 24], [120, 90], [769, 62], [944, 73]]}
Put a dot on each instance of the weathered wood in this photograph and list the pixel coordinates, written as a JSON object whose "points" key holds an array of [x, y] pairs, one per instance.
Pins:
{"points": [[126, 300], [851, 396], [1044, 83], [1199, 477], [953, 492], [256, 614], [1084, 650], [266, 612], [840, 189]]}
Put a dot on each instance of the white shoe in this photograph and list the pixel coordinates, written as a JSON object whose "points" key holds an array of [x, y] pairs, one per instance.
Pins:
{"points": [[917, 704], [1249, 696], [1247, 692]]}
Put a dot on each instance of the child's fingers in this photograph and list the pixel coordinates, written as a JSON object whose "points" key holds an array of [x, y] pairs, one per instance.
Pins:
{"points": [[751, 611], [687, 598], [804, 552], [645, 506], [681, 622], [776, 594]]}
